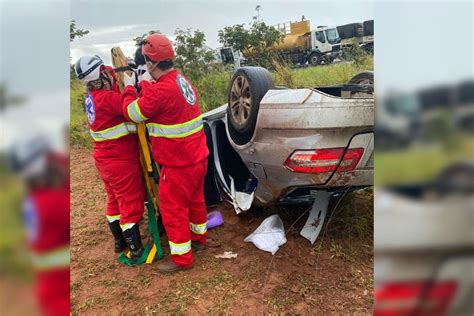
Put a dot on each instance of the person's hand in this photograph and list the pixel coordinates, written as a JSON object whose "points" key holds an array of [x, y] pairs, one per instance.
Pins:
{"points": [[146, 77], [143, 74], [129, 80]]}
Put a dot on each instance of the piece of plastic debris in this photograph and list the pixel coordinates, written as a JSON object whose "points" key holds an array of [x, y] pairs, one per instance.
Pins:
{"points": [[269, 236], [313, 225], [242, 201], [226, 255], [214, 219]]}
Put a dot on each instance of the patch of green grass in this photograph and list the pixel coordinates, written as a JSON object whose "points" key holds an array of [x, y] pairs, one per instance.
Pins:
{"points": [[321, 75], [90, 302], [353, 216], [336, 250], [13, 253], [419, 164], [212, 89], [79, 131]]}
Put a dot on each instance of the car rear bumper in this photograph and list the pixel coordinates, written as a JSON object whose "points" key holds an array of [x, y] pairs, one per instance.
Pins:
{"points": [[278, 182]]}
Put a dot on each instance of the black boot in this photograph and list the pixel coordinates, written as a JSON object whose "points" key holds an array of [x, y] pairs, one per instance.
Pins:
{"points": [[134, 241], [120, 244]]}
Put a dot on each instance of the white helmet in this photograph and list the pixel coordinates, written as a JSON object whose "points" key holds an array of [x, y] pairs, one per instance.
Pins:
{"points": [[88, 68], [28, 156]]}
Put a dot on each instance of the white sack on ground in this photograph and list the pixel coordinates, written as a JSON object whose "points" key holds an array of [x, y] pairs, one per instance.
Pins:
{"points": [[269, 236]]}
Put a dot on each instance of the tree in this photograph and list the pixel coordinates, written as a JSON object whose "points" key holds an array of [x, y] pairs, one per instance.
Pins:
{"points": [[75, 32], [258, 8], [139, 39], [192, 55], [7, 99], [255, 43]]}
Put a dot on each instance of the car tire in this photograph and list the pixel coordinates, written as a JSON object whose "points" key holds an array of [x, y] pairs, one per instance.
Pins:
{"points": [[366, 77], [246, 90], [315, 59], [363, 78]]}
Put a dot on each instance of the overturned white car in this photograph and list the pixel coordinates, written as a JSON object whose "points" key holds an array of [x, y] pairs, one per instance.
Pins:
{"points": [[273, 145]]}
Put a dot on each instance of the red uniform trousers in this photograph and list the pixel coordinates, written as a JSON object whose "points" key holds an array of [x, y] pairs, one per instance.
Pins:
{"points": [[53, 291], [183, 209], [125, 189]]}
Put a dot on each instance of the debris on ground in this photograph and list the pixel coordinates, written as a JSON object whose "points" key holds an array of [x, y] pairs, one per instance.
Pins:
{"points": [[324, 278], [313, 225], [269, 236], [226, 255], [214, 219]]}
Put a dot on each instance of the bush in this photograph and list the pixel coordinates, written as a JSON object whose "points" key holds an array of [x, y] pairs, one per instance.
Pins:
{"points": [[284, 75], [79, 136], [320, 75], [356, 54], [212, 89]]}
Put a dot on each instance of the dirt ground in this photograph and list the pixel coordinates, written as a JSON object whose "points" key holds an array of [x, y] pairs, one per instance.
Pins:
{"points": [[334, 276], [17, 297]]}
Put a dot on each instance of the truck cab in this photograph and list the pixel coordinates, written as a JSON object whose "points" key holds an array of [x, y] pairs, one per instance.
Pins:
{"points": [[324, 38], [325, 45]]}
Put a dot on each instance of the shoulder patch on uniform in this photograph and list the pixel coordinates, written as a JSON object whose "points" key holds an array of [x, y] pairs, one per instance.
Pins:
{"points": [[30, 219], [90, 109], [186, 89]]}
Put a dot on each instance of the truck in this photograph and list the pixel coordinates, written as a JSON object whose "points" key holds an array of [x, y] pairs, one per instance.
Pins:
{"points": [[361, 33], [301, 45]]}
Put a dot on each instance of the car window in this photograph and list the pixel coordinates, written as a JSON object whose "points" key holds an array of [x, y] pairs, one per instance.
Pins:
{"points": [[332, 35], [320, 37]]}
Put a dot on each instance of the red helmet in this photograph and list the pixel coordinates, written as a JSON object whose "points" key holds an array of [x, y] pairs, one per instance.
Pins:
{"points": [[157, 47]]}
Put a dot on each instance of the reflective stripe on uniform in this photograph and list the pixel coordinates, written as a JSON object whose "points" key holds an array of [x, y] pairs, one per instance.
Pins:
{"points": [[177, 130], [114, 132], [112, 218], [180, 249], [126, 226], [198, 229], [53, 259], [134, 112]]}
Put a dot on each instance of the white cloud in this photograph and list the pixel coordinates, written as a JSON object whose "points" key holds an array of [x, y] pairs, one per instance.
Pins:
{"points": [[45, 113], [103, 50]]}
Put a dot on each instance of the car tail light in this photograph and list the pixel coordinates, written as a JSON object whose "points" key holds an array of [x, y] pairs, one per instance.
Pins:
{"points": [[413, 298], [323, 160]]}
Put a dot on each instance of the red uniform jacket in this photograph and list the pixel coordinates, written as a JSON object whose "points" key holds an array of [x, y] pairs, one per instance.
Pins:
{"points": [[46, 217], [171, 110], [113, 136]]}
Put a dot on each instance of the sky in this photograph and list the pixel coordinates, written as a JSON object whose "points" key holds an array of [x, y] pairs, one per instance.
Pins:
{"points": [[417, 44], [34, 63], [422, 44], [119, 27]]}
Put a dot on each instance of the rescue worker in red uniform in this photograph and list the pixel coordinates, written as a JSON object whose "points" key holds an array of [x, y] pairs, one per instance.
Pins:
{"points": [[169, 105], [116, 153], [45, 174]]}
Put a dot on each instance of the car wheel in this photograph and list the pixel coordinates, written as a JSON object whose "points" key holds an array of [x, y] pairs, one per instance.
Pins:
{"points": [[366, 77], [247, 88], [315, 59], [363, 78]]}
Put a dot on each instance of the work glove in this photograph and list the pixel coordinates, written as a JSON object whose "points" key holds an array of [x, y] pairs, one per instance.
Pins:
{"points": [[143, 74], [129, 80], [146, 77], [141, 69]]}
